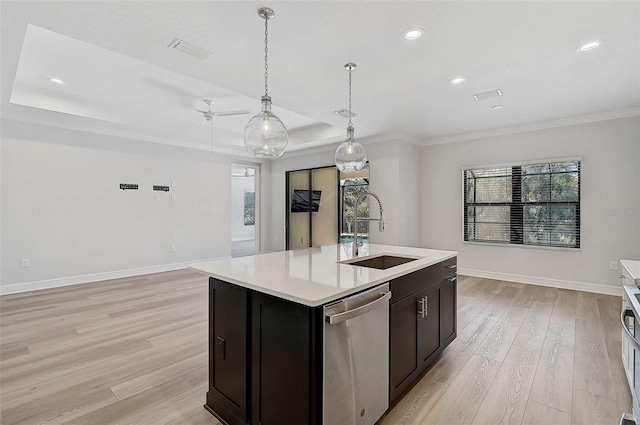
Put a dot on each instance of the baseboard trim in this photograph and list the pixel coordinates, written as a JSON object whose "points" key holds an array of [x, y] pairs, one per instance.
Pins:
{"points": [[542, 281], [96, 277], [75, 280]]}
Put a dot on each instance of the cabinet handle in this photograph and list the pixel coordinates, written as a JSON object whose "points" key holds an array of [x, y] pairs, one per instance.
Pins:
{"points": [[423, 310], [452, 279], [452, 266], [621, 276]]}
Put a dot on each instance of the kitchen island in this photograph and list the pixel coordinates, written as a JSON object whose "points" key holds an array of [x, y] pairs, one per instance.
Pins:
{"points": [[266, 320]]}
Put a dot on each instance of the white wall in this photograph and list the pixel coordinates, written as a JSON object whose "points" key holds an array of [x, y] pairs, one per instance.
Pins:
{"points": [[610, 203], [63, 210], [393, 177]]}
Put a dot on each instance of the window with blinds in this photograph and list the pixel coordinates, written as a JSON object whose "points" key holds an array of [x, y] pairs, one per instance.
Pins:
{"points": [[525, 204]]}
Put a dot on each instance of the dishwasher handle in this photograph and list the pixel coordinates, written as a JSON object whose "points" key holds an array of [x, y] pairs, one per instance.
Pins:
{"points": [[341, 317], [627, 312]]}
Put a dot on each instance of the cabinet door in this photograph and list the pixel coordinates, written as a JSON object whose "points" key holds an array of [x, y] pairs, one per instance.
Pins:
{"points": [[448, 310], [281, 346], [428, 324], [228, 355], [404, 343]]}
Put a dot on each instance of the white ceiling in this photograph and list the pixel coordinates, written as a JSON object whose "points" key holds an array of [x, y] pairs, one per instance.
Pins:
{"points": [[121, 77]]}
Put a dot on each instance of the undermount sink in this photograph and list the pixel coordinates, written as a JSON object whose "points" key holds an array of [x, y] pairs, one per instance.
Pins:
{"points": [[381, 262]]}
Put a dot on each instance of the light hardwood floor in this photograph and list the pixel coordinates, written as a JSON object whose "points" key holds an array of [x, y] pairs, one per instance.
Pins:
{"points": [[134, 351]]}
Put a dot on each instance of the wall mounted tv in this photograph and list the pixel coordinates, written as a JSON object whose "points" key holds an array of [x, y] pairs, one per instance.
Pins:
{"points": [[300, 200]]}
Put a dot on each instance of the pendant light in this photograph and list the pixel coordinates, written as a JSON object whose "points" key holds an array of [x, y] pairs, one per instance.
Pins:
{"points": [[350, 155], [265, 136]]}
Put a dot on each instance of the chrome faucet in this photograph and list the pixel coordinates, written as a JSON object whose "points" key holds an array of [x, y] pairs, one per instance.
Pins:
{"points": [[357, 244]]}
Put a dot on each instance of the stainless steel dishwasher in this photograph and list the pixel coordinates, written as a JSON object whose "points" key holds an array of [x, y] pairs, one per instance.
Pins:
{"points": [[356, 358]]}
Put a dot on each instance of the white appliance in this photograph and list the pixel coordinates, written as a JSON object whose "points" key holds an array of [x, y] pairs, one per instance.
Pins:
{"points": [[356, 358]]}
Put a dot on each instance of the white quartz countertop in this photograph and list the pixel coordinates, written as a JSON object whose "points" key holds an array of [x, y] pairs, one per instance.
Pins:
{"points": [[632, 268], [315, 276]]}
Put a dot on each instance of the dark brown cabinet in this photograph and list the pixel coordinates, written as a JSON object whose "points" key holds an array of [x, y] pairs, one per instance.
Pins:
{"points": [[449, 298], [228, 393], [264, 367], [265, 353], [423, 322]]}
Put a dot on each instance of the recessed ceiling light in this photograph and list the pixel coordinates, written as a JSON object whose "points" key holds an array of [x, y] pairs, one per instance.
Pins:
{"points": [[457, 80], [413, 33], [56, 80], [494, 107], [589, 46]]}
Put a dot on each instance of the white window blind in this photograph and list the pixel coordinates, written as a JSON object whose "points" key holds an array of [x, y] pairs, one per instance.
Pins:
{"points": [[526, 204]]}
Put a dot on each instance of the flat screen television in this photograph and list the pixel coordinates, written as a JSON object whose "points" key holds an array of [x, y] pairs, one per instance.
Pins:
{"points": [[300, 200]]}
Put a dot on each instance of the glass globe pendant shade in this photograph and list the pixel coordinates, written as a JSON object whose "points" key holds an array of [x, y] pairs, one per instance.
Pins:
{"points": [[350, 155], [265, 136]]}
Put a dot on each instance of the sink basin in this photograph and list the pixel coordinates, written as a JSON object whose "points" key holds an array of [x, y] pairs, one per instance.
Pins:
{"points": [[381, 262]]}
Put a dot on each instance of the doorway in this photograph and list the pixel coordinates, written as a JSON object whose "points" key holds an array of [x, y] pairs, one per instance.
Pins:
{"points": [[244, 210]]}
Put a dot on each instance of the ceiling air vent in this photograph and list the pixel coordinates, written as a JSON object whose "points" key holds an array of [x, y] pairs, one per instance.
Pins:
{"points": [[190, 49], [487, 94], [345, 113]]}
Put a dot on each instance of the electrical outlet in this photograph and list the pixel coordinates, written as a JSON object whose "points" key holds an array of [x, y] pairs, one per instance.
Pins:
{"points": [[157, 197], [24, 263], [613, 265], [173, 248], [173, 198]]}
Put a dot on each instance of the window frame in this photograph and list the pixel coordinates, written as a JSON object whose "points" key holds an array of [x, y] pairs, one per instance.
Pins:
{"points": [[516, 219]]}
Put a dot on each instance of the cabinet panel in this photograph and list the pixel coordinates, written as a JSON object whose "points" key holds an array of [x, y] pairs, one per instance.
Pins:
{"points": [[449, 310], [281, 363], [228, 355], [404, 349], [429, 324]]}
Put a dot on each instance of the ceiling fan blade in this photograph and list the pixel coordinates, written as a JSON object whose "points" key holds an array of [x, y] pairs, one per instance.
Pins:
{"points": [[227, 113], [201, 111]]}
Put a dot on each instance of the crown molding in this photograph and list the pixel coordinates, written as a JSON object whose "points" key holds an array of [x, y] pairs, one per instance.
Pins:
{"points": [[543, 125]]}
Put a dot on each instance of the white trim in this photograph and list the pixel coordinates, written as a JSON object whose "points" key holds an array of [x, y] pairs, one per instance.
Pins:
{"points": [[542, 281], [565, 122], [96, 277]]}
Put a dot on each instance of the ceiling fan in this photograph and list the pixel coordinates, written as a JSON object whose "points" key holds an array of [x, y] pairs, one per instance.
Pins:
{"points": [[208, 115]]}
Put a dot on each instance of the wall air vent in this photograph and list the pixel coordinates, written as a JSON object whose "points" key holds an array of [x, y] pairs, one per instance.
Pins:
{"points": [[487, 94], [345, 113], [190, 49]]}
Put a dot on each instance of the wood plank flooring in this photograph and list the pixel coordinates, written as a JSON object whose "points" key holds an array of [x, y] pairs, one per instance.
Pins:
{"points": [[134, 351]]}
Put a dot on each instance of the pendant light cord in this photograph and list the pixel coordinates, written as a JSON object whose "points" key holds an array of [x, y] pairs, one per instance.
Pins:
{"points": [[350, 125], [266, 55]]}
